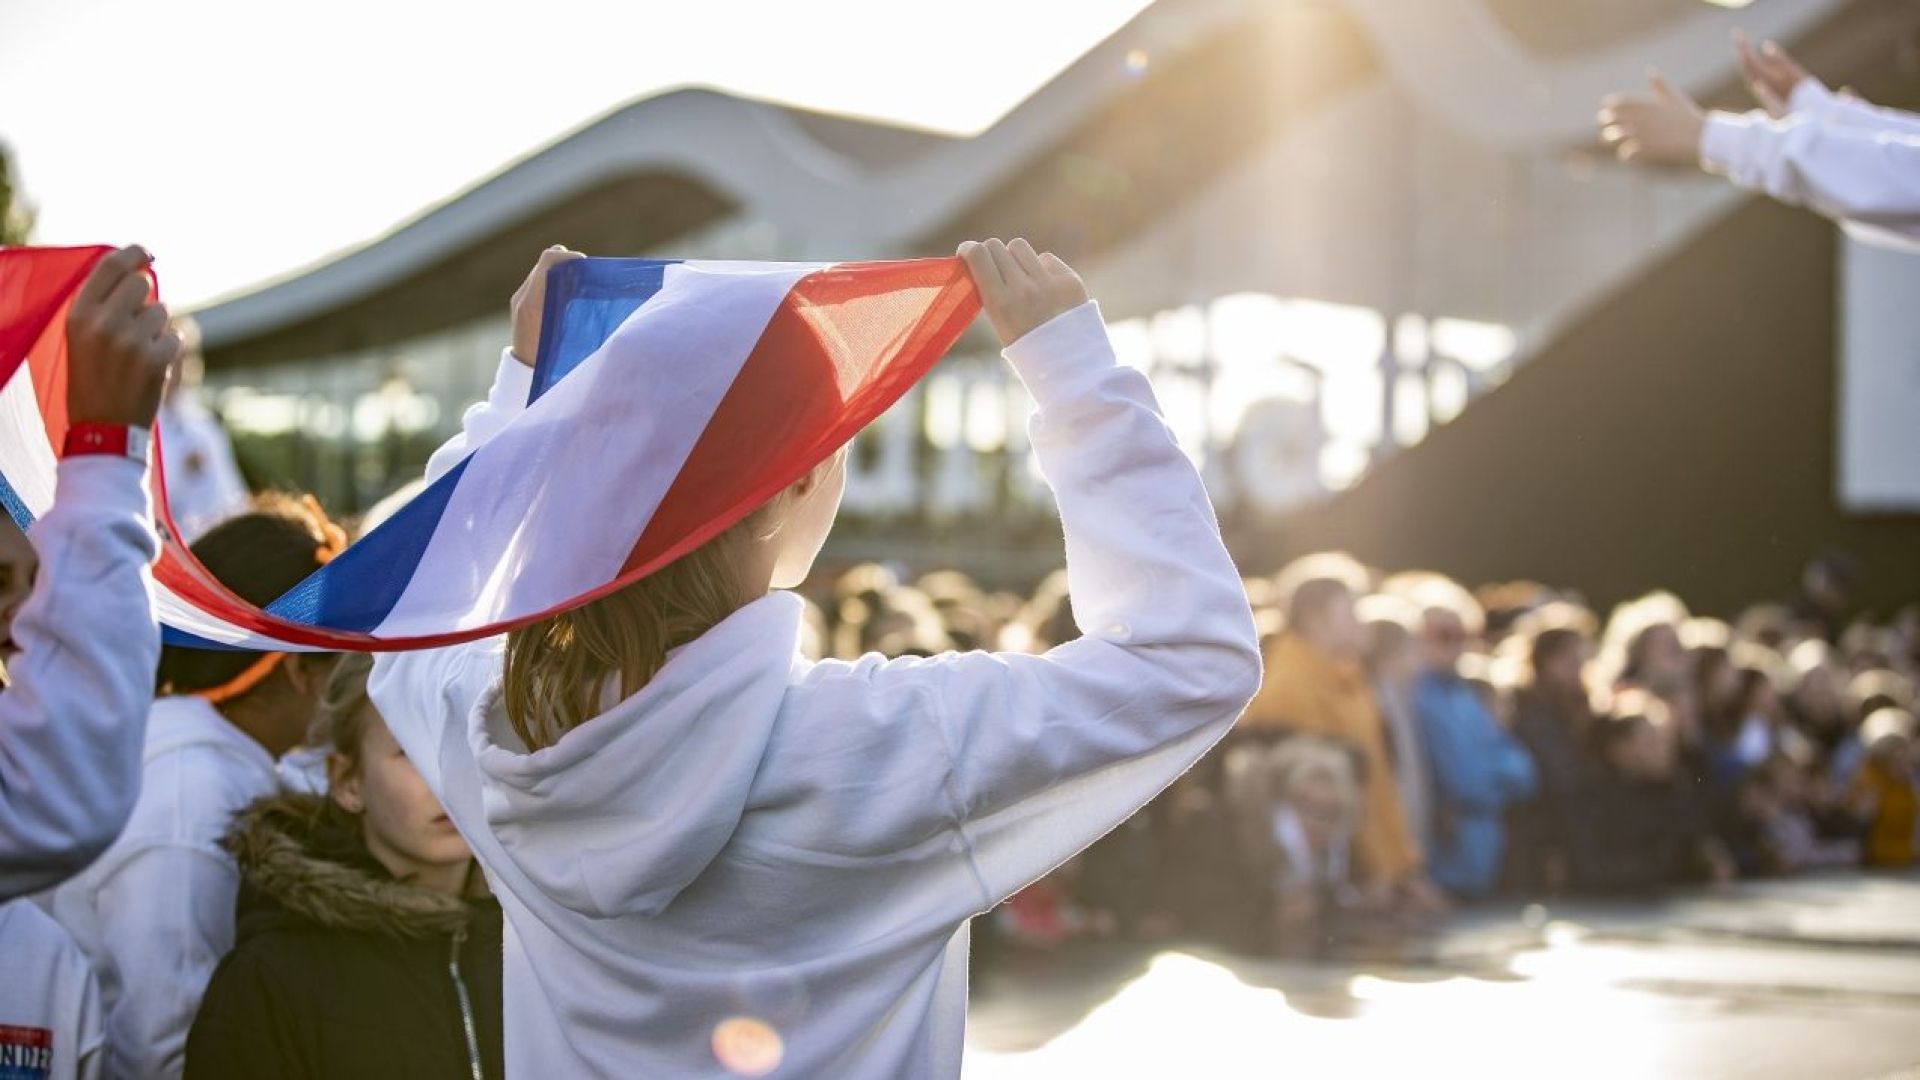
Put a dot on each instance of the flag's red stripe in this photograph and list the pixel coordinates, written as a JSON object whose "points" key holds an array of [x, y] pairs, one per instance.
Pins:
{"points": [[843, 346]]}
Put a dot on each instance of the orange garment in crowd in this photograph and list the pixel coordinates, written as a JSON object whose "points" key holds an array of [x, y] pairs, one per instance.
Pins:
{"points": [[1309, 692], [1896, 811]]}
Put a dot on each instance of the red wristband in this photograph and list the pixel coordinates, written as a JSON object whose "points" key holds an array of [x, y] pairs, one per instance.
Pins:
{"points": [[113, 440]]}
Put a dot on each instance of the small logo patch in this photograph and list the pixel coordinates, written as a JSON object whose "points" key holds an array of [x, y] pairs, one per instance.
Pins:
{"points": [[26, 1053]]}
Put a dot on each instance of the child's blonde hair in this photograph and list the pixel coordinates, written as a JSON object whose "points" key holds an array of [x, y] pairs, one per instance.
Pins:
{"points": [[555, 668]]}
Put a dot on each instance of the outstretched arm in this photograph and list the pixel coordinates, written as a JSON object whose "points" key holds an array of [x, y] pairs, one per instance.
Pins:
{"points": [[73, 721], [1030, 758]]}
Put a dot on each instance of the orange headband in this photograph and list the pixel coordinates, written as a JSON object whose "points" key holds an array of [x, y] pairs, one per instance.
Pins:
{"points": [[255, 673]]}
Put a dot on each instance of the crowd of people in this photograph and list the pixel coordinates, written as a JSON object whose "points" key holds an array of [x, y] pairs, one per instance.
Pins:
{"points": [[701, 823], [1417, 745]]}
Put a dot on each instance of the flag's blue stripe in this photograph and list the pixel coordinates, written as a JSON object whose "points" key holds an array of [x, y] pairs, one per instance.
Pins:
{"points": [[16, 509], [587, 300], [358, 589]]}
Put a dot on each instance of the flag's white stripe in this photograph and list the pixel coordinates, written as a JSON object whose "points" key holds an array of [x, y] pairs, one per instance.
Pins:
{"points": [[552, 506], [181, 615], [23, 432]]}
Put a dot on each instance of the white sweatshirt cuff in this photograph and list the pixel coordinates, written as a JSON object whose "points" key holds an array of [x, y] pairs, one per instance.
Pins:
{"points": [[1810, 96], [101, 483], [1723, 139], [1063, 357], [512, 382]]}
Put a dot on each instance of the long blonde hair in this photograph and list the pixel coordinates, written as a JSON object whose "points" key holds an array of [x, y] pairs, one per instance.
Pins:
{"points": [[555, 668]]}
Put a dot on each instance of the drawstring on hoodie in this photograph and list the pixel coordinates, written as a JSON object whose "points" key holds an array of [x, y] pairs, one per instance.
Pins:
{"points": [[466, 1004]]}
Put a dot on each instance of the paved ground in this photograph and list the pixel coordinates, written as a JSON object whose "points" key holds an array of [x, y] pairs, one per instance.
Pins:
{"points": [[1811, 978]]}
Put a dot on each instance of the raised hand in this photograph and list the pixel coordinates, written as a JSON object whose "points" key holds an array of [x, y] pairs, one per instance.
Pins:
{"points": [[530, 301], [1019, 287], [1661, 127], [1770, 74], [120, 348]]}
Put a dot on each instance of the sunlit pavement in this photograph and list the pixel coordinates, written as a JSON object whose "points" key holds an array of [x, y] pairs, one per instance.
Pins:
{"points": [[1813, 978]]}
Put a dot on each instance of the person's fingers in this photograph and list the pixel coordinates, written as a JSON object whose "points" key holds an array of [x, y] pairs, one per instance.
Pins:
{"points": [[1024, 255], [1010, 271], [1628, 150], [1054, 262], [1612, 134], [129, 293], [110, 271], [1749, 62], [1769, 99], [150, 323], [168, 347], [986, 275]]}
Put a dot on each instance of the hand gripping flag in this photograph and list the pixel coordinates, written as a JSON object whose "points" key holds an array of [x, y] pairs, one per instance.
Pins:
{"points": [[670, 399]]}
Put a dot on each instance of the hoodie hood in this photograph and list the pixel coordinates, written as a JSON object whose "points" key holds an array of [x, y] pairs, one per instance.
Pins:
{"points": [[626, 810], [298, 864]]}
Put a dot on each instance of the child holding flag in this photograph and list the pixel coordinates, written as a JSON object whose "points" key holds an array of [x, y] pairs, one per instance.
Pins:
{"points": [[717, 858], [79, 657]]}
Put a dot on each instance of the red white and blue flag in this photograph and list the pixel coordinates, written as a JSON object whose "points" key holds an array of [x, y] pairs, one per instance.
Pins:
{"points": [[669, 400]]}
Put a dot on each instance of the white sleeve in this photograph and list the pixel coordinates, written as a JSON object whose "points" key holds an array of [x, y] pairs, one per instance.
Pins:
{"points": [[1811, 98], [73, 722], [166, 919], [419, 693], [1044, 754], [1869, 177], [512, 382]]}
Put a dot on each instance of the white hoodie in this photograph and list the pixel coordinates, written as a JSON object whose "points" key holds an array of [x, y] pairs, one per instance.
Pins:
{"points": [[72, 722], [796, 847], [1840, 157], [155, 912], [49, 1003]]}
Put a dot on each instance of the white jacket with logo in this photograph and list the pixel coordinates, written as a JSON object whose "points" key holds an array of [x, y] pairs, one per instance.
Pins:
{"points": [[155, 913]]}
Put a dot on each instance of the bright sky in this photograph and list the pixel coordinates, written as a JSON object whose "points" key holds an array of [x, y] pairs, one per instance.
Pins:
{"points": [[240, 139]]}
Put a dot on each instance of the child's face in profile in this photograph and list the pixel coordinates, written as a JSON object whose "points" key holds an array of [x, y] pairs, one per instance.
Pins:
{"points": [[808, 518]]}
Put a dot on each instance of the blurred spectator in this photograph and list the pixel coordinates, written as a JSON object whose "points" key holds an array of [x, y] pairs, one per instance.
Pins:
{"points": [[1792, 840], [1642, 646], [1642, 828], [1478, 769], [1297, 804], [1393, 666], [1316, 686], [1826, 592], [1551, 719], [1885, 796]]}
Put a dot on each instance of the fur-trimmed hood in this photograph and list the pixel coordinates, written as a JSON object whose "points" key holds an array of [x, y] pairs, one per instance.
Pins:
{"points": [[299, 861]]}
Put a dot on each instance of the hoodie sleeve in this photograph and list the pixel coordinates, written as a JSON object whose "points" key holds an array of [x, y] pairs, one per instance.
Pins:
{"points": [[1031, 758], [74, 719], [1812, 98], [420, 693], [1868, 176]]}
